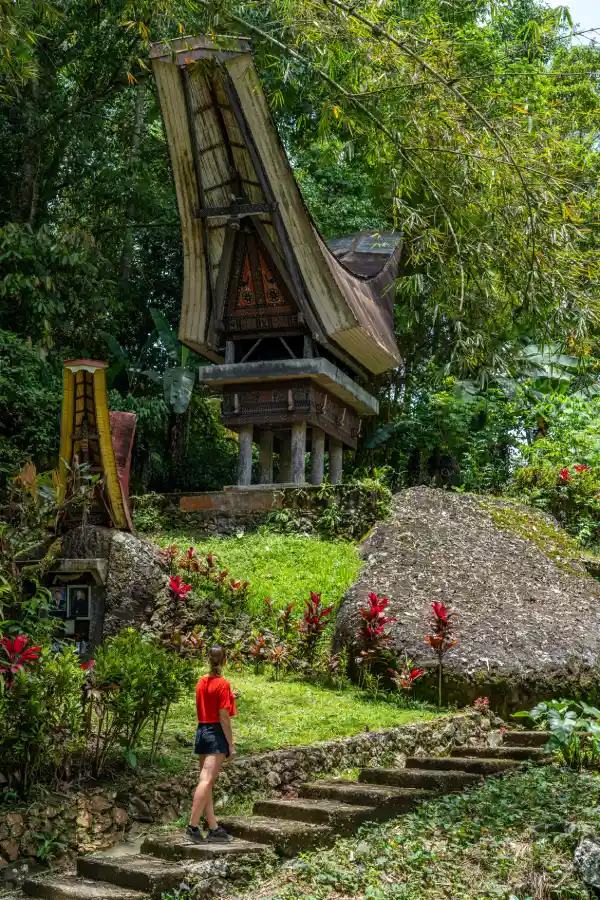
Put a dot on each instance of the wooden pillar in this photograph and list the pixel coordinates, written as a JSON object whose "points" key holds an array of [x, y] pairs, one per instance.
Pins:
{"points": [[285, 460], [299, 452], [266, 457], [245, 455], [317, 456], [336, 452], [229, 352]]}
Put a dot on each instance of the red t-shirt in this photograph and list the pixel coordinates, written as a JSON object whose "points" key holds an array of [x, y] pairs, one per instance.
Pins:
{"points": [[213, 693]]}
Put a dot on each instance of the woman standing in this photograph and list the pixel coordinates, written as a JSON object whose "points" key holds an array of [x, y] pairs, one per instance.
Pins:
{"points": [[215, 704]]}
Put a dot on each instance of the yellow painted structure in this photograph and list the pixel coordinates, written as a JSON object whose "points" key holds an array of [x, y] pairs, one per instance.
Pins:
{"points": [[85, 437]]}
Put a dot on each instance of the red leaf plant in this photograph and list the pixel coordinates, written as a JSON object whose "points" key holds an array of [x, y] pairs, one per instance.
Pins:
{"points": [[258, 650], [284, 621], [18, 655], [178, 587], [406, 677], [190, 562], [169, 556], [440, 638], [88, 665], [564, 475], [313, 624], [371, 636], [240, 587], [581, 467]]}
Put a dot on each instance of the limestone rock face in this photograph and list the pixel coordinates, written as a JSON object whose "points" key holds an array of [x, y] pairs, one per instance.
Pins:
{"points": [[587, 863], [136, 583], [527, 610]]}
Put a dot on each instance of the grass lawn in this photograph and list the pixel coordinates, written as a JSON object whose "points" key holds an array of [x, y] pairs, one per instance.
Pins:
{"points": [[513, 838], [284, 567], [274, 714]]}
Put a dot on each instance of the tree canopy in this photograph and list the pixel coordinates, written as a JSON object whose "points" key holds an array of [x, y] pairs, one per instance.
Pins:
{"points": [[470, 127]]}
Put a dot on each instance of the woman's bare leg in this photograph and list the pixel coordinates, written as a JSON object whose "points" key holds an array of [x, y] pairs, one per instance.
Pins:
{"points": [[210, 768]]}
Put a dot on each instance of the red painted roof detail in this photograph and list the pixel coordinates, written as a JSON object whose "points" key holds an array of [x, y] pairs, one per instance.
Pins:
{"points": [[122, 430]]}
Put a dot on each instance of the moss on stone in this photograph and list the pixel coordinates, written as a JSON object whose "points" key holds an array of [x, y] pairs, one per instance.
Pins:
{"points": [[538, 528]]}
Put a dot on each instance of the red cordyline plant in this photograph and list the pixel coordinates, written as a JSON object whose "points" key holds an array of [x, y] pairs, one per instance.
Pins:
{"points": [[190, 562], [371, 636], [279, 658], [170, 555], [258, 651], [18, 655], [313, 624], [239, 590], [178, 587], [405, 678], [284, 620], [441, 638]]}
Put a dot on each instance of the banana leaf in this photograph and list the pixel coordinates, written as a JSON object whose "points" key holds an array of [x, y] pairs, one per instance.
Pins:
{"points": [[178, 384]]}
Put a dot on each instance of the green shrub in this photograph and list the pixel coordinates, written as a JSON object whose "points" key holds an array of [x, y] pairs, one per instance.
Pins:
{"points": [[574, 728], [41, 719], [30, 393], [561, 468], [133, 683]]}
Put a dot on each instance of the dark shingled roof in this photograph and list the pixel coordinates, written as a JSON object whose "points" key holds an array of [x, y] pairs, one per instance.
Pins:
{"points": [[365, 253]]}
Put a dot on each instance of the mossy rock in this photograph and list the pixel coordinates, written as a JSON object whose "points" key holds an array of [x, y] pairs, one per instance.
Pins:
{"points": [[526, 605]]}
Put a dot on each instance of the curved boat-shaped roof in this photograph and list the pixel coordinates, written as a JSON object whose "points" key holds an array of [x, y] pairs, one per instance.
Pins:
{"points": [[230, 168]]}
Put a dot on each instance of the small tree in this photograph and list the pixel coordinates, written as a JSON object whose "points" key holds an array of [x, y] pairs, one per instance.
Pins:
{"points": [[440, 638]]}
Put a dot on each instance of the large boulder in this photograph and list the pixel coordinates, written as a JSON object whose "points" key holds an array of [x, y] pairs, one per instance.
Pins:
{"points": [[527, 618], [137, 582]]}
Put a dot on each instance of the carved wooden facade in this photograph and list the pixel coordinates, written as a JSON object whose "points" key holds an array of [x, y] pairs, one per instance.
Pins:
{"points": [[260, 285]]}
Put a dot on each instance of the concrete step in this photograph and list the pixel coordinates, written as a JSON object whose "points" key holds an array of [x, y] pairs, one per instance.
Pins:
{"points": [[177, 846], [444, 782], [68, 887], [525, 738], [473, 765], [382, 796], [138, 873], [287, 837], [343, 817], [520, 753]]}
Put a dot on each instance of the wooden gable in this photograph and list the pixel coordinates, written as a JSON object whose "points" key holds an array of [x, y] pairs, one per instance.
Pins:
{"points": [[257, 298], [229, 166]]}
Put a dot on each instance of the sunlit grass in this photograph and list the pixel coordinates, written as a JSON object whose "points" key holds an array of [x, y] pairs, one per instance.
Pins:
{"points": [[287, 713], [284, 567]]}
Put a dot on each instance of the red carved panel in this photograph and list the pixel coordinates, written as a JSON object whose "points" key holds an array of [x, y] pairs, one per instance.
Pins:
{"points": [[256, 298], [273, 295], [245, 295]]}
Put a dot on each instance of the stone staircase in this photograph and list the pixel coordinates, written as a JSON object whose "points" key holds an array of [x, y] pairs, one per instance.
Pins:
{"points": [[323, 811]]}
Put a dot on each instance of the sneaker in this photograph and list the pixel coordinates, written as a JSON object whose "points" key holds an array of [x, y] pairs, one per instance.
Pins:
{"points": [[194, 835], [218, 835]]}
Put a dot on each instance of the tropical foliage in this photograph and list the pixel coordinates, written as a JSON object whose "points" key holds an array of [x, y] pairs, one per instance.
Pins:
{"points": [[472, 133], [574, 728]]}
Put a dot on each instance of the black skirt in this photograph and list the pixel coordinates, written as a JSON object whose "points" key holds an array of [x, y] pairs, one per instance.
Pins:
{"points": [[210, 739]]}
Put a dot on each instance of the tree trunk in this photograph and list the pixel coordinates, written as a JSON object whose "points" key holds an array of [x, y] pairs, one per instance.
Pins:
{"points": [[127, 251], [28, 194], [178, 436]]}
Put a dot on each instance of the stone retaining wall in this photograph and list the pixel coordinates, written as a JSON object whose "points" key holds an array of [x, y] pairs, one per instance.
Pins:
{"points": [[95, 819], [357, 508]]}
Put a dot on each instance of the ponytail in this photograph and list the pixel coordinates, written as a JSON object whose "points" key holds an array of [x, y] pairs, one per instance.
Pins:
{"points": [[216, 659]]}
